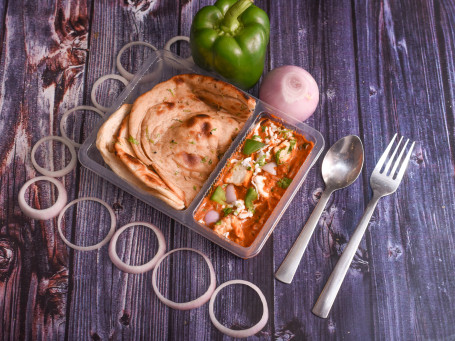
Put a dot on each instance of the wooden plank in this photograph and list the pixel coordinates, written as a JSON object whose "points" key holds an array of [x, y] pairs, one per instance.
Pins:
{"points": [[186, 286], [3, 9], [445, 33], [37, 76], [407, 242], [320, 39], [125, 305], [377, 21]]}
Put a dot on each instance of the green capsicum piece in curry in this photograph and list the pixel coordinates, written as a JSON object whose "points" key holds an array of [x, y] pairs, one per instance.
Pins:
{"points": [[231, 38]]}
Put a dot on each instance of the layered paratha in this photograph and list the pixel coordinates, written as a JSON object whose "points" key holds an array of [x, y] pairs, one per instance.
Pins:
{"points": [[108, 143], [177, 132]]}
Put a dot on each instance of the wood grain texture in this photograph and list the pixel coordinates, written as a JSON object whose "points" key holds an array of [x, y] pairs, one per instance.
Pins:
{"points": [[410, 246], [328, 53], [38, 74], [381, 66], [127, 314]]}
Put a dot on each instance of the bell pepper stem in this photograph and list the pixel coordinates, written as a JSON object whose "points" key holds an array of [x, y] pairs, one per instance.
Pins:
{"points": [[230, 21]]}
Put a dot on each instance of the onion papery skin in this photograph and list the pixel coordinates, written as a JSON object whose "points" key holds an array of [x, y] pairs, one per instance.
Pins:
{"points": [[292, 90]]}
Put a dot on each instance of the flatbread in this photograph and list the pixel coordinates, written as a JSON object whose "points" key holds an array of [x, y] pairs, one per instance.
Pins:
{"points": [[124, 151], [106, 142], [184, 125]]}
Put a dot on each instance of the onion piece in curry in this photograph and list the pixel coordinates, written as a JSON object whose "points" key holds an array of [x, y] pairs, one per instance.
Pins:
{"points": [[260, 170]]}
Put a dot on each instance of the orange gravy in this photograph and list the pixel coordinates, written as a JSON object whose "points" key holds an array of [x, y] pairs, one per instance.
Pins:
{"points": [[235, 225]]}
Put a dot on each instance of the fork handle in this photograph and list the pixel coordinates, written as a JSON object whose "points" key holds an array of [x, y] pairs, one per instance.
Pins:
{"points": [[331, 288], [287, 269]]}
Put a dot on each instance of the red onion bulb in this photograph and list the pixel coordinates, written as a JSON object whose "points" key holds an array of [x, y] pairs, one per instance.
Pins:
{"points": [[292, 90]]}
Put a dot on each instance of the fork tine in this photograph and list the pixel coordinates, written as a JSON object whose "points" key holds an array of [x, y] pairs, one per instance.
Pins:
{"points": [[384, 155], [397, 162], [392, 157], [405, 163]]}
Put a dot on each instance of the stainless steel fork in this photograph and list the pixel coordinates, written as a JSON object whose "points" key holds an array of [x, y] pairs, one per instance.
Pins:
{"points": [[383, 183]]}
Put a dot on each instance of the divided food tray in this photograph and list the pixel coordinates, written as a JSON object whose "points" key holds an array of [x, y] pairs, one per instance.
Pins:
{"points": [[161, 66]]}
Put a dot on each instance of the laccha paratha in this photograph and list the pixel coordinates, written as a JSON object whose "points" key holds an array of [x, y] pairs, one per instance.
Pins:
{"points": [[106, 141], [184, 125]]}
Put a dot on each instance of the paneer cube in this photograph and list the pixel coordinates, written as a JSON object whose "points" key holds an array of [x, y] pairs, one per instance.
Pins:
{"points": [[283, 151], [240, 174], [259, 184], [229, 224]]}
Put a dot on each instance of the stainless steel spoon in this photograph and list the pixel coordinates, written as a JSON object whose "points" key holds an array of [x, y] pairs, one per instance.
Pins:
{"points": [[341, 166]]}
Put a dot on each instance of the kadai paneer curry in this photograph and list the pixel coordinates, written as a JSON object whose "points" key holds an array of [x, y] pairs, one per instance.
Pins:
{"points": [[253, 182]]}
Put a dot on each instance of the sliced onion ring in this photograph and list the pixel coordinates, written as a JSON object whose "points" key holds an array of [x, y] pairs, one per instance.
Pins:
{"points": [[98, 83], [137, 269], [175, 39], [245, 332], [65, 116], [191, 304], [71, 165], [49, 212], [121, 69], [92, 247]]}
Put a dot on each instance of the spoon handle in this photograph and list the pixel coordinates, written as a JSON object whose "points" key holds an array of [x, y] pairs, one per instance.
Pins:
{"points": [[329, 293], [287, 269]]}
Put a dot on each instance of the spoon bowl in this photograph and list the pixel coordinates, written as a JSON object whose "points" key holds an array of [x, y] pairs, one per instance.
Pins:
{"points": [[343, 162]]}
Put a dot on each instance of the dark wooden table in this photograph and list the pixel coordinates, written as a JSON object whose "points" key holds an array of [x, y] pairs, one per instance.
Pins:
{"points": [[382, 67]]}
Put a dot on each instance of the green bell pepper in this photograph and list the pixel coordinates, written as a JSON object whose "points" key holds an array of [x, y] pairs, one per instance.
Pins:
{"points": [[219, 196], [231, 38], [252, 146], [251, 195]]}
